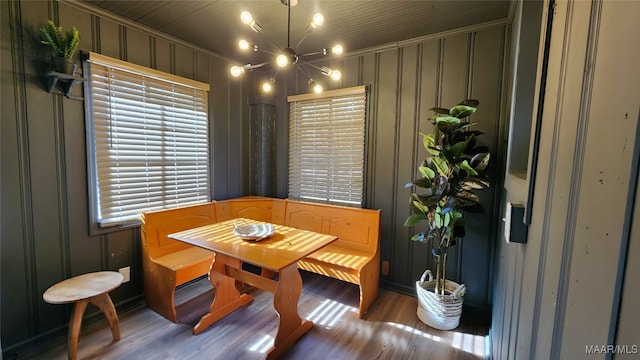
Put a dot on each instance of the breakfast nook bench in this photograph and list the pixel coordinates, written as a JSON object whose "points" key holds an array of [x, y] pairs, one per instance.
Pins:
{"points": [[354, 257], [168, 263]]}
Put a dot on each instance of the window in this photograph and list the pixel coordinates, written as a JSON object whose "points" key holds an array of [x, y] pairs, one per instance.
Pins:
{"points": [[327, 146], [148, 135]]}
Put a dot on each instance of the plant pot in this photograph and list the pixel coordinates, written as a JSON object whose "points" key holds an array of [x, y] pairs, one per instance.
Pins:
{"points": [[439, 311], [63, 65]]}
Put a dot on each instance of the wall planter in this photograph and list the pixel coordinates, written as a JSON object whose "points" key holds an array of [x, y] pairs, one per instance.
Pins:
{"points": [[64, 47], [63, 65]]}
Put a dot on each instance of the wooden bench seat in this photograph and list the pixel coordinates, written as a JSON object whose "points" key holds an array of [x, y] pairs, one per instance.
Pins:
{"points": [[187, 262], [354, 257], [168, 263], [336, 263], [337, 255]]}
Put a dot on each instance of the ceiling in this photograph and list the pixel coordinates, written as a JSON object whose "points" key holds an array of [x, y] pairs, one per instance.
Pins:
{"points": [[356, 24]]}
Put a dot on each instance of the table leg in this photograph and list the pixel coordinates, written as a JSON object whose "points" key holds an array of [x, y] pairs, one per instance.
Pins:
{"points": [[104, 303], [285, 301], [227, 297], [74, 329]]}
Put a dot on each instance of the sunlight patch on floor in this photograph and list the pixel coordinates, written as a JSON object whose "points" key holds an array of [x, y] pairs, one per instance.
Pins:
{"points": [[263, 345], [473, 344], [326, 314], [329, 312]]}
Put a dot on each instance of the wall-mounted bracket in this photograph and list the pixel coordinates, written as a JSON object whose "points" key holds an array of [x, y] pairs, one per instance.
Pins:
{"points": [[517, 228], [64, 82]]}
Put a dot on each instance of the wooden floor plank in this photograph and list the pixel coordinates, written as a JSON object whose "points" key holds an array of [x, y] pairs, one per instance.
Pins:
{"points": [[391, 330]]}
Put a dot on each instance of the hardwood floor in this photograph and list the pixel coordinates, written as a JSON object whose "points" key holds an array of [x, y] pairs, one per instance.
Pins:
{"points": [[391, 330]]}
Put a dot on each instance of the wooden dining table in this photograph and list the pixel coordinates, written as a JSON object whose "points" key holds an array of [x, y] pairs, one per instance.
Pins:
{"points": [[276, 255]]}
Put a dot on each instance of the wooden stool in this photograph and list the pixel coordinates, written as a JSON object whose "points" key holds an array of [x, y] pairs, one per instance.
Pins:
{"points": [[84, 289]]}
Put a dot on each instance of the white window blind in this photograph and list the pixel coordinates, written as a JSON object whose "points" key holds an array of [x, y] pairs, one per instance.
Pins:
{"points": [[327, 146], [150, 136]]}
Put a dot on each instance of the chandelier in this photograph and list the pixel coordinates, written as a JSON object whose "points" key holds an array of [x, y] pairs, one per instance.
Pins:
{"points": [[284, 58]]}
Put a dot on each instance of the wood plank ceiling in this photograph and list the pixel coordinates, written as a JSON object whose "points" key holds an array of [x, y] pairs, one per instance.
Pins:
{"points": [[358, 25]]}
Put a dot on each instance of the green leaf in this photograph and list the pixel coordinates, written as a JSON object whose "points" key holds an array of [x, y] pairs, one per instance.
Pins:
{"points": [[414, 219], [437, 219], [475, 184], [466, 167], [429, 143], [447, 120], [461, 111], [427, 172], [456, 216], [422, 183], [458, 148], [470, 102], [420, 207], [63, 45], [429, 201], [480, 161], [441, 165], [447, 219], [439, 110]]}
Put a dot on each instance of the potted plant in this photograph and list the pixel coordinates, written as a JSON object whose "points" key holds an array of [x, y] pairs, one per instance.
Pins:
{"points": [[64, 46], [451, 173]]}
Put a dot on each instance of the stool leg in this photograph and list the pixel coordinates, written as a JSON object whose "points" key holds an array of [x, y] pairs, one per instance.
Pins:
{"points": [[74, 330], [104, 303]]}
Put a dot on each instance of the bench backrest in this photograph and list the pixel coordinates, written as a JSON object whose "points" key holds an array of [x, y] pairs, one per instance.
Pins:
{"points": [[252, 207], [156, 225], [356, 228]]}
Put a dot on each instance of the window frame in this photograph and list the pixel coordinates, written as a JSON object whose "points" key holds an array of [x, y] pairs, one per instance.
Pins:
{"points": [[93, 202], [356, 90]]}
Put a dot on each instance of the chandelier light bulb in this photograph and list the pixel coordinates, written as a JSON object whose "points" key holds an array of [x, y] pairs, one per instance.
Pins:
{"points": [[335, 74], [282, 60], [317, 88], [246, 17], [243, 44], [237, 71], [337, 50], [318, 19], [266, 87]]}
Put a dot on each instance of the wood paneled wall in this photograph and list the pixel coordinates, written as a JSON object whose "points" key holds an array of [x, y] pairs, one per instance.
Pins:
{"points": [[566, 293], [403, 84], [45, 226]]}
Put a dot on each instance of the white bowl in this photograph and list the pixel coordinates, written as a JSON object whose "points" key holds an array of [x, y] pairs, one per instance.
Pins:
{"points": [[254, 232]]}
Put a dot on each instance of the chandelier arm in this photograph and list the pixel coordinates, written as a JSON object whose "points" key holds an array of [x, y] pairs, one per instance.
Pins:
{"points": [[312, 65], [271, 41], [301, 40], [266, 51], [304, 73], [255, 66], [312, 53]]}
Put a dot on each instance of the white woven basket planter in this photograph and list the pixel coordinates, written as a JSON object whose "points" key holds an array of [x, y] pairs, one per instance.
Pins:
{"points": [[439, 311]]}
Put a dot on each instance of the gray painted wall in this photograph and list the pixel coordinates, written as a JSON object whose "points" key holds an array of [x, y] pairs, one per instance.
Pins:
{"points": [[403, 84], [44, 176], [44, 181], [572, 285]]}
